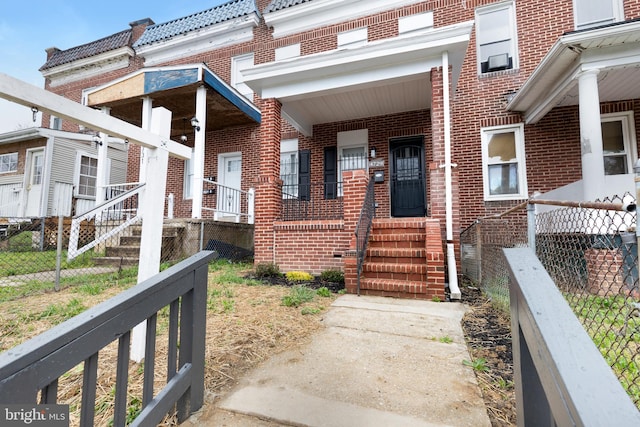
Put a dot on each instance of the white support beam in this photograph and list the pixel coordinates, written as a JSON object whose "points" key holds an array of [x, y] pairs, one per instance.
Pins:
{"points": [[22, 93], [103, 159], [199, 150], [157, 163]]}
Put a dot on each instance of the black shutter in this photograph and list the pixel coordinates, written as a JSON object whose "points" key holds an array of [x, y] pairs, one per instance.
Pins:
{"points": [[330, 172], [304, 174]]}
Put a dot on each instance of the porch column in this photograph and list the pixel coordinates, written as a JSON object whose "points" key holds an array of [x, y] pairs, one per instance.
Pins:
{"points": [[102, 172], [591, 136], [198, 152], [268, 197], [437, 179]]}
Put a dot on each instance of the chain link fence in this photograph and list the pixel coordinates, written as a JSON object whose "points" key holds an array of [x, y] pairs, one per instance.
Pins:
{"points": [[33, 251], [590, 250]]}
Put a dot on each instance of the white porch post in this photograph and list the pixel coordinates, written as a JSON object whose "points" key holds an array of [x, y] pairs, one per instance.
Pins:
{"points": [[101, 178], [251, 205], [198, 152], [591, 136], [157, 161], [147, 106]]}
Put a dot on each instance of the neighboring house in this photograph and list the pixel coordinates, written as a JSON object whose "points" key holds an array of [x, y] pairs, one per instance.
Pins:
{"points": [[45, 172], [455, 109]]}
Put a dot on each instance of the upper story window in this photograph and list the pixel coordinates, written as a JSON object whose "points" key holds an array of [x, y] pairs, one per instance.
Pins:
{"points": [[593, 13], [496, 37], [8, 162], [286, 52], [353, 38], [239, 63], [420, 21], [618, 143], [503, 165], [55, 123]]}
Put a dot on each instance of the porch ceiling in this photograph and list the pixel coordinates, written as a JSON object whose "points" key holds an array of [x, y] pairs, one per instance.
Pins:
{"points": [[175, 89], [613, 50], [383, 77]]}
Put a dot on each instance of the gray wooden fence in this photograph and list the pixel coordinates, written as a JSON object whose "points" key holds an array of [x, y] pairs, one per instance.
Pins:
{"points": [[560, 377], [32, 369]]}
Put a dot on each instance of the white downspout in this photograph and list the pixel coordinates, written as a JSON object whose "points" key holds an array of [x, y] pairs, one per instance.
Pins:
{"points": [[451, 254]]}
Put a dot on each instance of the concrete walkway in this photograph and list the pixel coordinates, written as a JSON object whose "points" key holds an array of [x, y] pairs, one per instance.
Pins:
{"points": [[50, 276], [378, 362]]}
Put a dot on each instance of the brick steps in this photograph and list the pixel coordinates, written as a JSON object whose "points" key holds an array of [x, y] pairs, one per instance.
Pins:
{"points": [[403, 260]]}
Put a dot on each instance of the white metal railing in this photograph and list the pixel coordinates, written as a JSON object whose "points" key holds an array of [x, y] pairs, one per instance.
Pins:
{"points": [[230, 202], [122, 209]]}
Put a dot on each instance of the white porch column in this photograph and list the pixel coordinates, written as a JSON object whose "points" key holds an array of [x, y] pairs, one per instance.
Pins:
{"points": [[102, 172], [157, 161], [147, 107], [198, 152], [591, 136]]}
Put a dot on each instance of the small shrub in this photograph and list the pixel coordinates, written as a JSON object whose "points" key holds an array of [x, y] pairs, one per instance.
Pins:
{"points": [[310, 310], [323, 292], [267, 269], [332, 275], [299, 276], [436, 299], [298, 295]]}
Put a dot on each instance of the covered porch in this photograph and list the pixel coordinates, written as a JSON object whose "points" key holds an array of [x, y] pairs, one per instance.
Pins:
{"points": [[336, 121], [210, 184], [595, 74]]}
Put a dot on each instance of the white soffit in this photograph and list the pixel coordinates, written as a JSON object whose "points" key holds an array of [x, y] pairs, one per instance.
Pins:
{"points": [[613, 50]]}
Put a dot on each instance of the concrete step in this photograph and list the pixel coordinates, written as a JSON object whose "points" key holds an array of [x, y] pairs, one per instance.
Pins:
{"points": [[130, 241], [123, 251]]}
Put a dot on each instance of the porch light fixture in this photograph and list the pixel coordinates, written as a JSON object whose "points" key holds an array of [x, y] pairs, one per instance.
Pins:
{"points": [[195, 123], [34, 111], [97, 140], [183, 137], [373, 152]]}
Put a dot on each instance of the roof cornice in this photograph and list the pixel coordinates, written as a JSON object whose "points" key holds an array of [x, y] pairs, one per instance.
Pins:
{"points": [[89, 67], [319, 13], [226, 33]]}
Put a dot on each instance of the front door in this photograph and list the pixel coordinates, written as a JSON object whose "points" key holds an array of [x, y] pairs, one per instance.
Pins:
{"points": [[408, 183], [229, 196], [34, 183]]}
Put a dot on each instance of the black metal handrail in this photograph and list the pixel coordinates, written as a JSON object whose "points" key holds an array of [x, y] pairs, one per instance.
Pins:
{"points": [[367, 213], [315, 201], [33, 368]]}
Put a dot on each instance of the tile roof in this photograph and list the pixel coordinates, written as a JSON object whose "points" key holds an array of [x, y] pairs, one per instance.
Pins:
{"points": [[196, 21], [112, 42], [277, 5]]}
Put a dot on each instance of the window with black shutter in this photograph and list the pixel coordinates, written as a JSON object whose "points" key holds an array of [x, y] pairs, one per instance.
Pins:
{"points": [[330, 173]]}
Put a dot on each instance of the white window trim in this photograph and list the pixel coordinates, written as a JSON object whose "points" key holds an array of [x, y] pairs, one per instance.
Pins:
{"points": [[351, 139], [290, 146], [76, 175], [628, 134], [187, 185], [512, 25], [618, 14], [17, 161], [520, 159], [237, 81]]}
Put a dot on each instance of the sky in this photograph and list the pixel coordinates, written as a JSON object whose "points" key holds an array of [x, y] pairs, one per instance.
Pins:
{"points": [[27, 29]]}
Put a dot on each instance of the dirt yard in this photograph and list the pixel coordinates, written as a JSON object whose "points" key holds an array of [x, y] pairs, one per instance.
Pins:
{"points": [[246, 323]]}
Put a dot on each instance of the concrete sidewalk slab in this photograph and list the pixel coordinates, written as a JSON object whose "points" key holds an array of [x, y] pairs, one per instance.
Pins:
{"points": [[378, 362]]}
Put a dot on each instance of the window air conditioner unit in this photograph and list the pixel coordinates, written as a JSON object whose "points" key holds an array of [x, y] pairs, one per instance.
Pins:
{"points": [[499, 62]]}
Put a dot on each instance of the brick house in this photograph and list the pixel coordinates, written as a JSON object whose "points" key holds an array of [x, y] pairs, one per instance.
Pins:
{"points": [[445, 110]]}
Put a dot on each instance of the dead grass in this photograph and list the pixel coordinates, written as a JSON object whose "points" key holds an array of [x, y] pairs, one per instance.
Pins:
{"points": [[245, 325]]}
